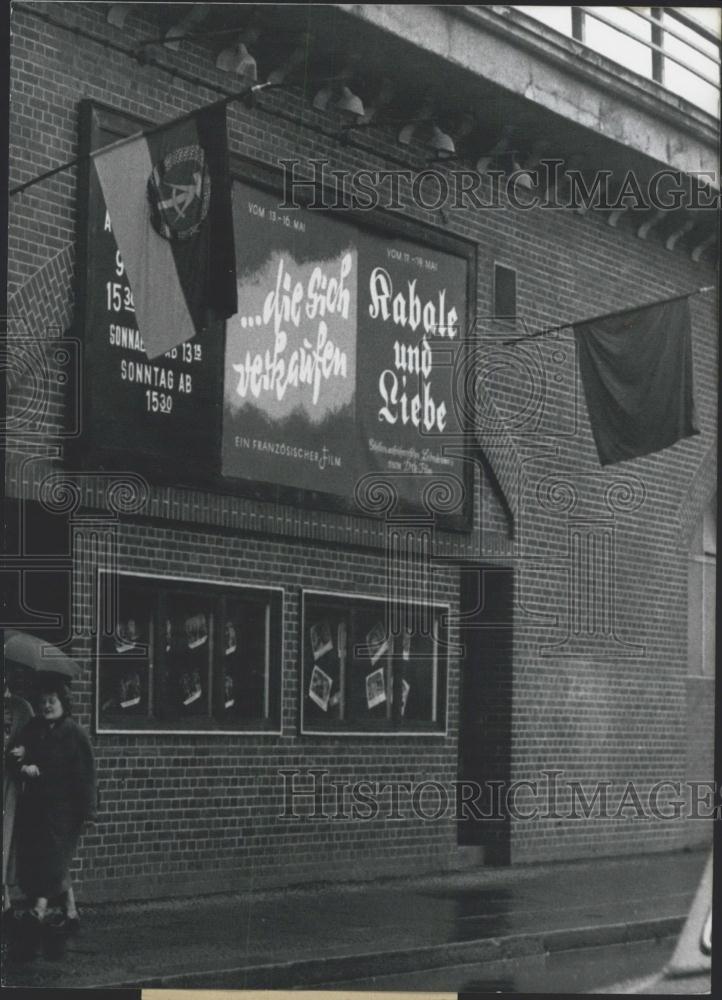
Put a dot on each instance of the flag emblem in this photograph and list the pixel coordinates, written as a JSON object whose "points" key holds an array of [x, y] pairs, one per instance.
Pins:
{"points": [[179, 192], [168, 196]]}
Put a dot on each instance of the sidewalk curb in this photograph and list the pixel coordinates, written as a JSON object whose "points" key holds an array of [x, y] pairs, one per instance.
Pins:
{"points": [[342, 968]]}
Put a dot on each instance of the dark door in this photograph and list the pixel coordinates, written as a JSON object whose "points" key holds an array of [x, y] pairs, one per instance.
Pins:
{"points": [[485, 710]]}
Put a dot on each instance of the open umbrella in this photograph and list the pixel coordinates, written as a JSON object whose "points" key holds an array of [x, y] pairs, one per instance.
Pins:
{"points": [[37, 654]]}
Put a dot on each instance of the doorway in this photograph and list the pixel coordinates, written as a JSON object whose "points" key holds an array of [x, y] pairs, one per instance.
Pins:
{"points": [[486, 636]]}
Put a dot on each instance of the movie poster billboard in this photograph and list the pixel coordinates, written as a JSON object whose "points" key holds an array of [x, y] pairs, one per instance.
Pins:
{"points": [[338, 364], [331, 364]]}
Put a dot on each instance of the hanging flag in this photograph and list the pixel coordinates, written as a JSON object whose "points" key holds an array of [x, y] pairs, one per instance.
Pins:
{"points": [[636, 370], [168, 196]]}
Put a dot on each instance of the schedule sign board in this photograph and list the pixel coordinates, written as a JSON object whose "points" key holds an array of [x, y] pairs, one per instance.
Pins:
{"points": [[165, 410], [330, 363], [328, 372]]}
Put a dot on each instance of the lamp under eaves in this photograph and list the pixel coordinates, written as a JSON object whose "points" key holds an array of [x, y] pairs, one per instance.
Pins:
{"points": [[237, 59], [441, 143], [430, 135], [340, 98], [350, 103]]}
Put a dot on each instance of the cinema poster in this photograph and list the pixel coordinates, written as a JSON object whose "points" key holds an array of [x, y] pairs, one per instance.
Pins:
{"points": [[339, 361], [289, 394], [338, 366]]}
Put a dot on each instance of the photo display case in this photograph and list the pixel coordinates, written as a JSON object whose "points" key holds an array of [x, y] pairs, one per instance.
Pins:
{"points": [[182, 655], [365, 673]]}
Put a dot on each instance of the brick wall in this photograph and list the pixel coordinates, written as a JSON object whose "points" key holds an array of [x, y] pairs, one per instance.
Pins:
{"points": [[176, 806], [183, 812]]}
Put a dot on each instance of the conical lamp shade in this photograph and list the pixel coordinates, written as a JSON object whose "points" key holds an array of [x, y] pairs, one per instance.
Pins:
{"points": [[349, 103], [238, 60], [441, 142], [407, 134], [320, 101], [246, 64]]}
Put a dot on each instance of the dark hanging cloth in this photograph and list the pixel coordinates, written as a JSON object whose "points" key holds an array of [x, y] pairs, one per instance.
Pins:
{"points": [[53, 806], [636, 370]]}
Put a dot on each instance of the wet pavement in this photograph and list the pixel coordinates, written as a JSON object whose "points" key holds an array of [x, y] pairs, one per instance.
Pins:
{"points": [[426, 927], [579, 970]]}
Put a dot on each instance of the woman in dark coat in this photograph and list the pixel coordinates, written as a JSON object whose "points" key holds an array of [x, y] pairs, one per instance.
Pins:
{"points": [[56, 763]]}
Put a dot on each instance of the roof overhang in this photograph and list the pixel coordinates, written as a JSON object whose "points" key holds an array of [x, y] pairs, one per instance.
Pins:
{"points": [[514, 52]]}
